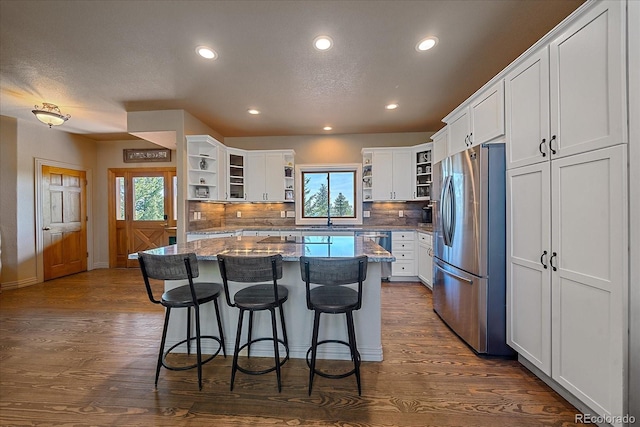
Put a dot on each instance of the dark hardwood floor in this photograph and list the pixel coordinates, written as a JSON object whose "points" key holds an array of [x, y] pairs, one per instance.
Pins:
{"points": [[81, 351]]}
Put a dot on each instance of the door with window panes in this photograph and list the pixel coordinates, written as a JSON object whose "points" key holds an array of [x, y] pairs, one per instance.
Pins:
{"points": [[142, 211]]}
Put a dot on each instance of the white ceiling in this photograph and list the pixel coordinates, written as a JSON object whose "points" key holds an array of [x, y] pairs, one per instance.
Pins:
{"points": [[98, 60]]}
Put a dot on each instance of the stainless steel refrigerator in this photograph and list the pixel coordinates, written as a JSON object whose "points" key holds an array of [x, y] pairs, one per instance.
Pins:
{"points": [[469, 267]]}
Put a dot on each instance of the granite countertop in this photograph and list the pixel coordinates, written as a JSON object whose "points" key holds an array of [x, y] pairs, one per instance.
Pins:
{"points": [[290, 249], [426, 228]]}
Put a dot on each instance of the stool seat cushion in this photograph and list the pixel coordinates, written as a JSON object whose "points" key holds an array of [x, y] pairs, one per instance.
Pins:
{"points": [[333, 299], [181, 296], [259, 297]]}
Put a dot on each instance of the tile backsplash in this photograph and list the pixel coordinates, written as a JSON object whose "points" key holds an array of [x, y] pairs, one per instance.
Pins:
{"points": [[203, 215]]}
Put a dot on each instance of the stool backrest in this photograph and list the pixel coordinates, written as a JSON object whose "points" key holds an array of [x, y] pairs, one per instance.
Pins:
{"points": [[168, 267], [333, 272], [250, 269]]}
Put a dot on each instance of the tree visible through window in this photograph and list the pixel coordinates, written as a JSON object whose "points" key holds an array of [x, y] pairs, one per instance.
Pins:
{"points": [[148, 198], [328, 194]]}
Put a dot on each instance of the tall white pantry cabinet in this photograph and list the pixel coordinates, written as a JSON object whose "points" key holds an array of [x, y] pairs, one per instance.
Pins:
{"points": [[567, 207]]}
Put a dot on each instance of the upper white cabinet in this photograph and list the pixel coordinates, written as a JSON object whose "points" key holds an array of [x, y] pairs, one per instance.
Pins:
{"points": [[479, 120], [569, 97], [422, 155], [440, 145], [390, 174], [266, 174], [236, 175], [205, 168], [487, 115]]}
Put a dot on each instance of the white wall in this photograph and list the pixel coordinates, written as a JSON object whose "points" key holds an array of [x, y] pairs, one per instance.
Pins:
{"points": [[329, 148], [32, 141]]}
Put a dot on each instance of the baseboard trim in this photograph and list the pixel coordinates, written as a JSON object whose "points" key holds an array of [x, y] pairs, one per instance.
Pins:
{"points": [[19, 284]]}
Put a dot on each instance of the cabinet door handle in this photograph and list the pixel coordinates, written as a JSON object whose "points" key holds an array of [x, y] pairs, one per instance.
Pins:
{"points": [[553, 267], [470, 139], [553, 138], [544, 264], [466, 140], [544, 140]]}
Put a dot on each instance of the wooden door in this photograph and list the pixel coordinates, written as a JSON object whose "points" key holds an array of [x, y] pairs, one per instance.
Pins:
{"points": [[64, 221], [528, 270], [141, 210]]}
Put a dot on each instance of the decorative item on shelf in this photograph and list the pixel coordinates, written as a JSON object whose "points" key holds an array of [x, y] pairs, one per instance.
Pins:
{"points": [[203, 164], [202, 192], [423, 157], [288, 171], [50, 114], [137, 155], [367, 161], [288, 194], [202, 181]]}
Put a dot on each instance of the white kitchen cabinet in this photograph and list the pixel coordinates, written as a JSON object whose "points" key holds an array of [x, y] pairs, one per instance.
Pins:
{"points": [[403, 248], [487, 115], [459, 126], [391, 173], [569, 97], [267, 177], [440, 145], [425, 258], [566, 281], [236, 175], [422, 178], [205, 168]]}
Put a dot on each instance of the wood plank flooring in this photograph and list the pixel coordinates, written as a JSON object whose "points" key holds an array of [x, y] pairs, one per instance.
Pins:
{"points": [[81, 351]]}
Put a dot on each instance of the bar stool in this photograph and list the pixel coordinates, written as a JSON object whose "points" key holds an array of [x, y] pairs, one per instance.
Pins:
{"points": [[192, 295], [269, 296], [332, 297]]}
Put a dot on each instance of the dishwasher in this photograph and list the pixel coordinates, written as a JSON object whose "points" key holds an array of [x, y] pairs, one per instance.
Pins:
{"points": [[382, 238]]}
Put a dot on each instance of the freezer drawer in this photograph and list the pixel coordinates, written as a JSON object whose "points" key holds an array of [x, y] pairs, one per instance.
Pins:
{"points": [[458, 298]]}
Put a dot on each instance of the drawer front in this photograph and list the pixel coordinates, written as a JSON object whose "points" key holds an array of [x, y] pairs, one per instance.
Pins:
{"points": [[402, 245], [403, 268], [424, 238], [404, 236], [402, 255]]}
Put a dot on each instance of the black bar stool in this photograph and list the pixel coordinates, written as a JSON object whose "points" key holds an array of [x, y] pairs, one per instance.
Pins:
{"points": [[193, 295], [332, 297], [269, 296]]}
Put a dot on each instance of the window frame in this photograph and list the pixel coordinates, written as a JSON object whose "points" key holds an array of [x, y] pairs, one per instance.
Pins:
{"points": [[331, 167]]}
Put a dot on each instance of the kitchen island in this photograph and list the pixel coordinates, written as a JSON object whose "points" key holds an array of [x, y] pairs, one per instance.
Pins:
{"points": [[298, 318]]}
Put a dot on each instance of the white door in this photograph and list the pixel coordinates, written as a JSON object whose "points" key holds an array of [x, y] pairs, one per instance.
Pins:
{"points": [[274, 176], [382, 175], [589, 217], [459, 132], [528, 271], [527, 111], [403, 170], [255, 173], [487, 115], [588, 108]]}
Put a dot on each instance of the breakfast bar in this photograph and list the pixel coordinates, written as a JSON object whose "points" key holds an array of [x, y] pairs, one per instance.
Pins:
{"points": [[298, 318]]}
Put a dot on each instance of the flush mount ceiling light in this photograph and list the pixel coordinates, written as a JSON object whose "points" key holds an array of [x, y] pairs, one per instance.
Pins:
{"points": [[206, 52], [322, 43], [253, 111], [50, 114], [327, 128], [391, 106], [426, 44]]}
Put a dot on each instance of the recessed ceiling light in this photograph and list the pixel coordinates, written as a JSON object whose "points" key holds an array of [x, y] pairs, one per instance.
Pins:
{"points": [[327, 128], [206, 52], [391, 106], [426, 44], [253, 111], [322, 43]]}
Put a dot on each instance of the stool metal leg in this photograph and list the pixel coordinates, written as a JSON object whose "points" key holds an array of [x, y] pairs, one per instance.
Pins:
{"points": [[236, 349], [162, 342], [250, 333], [224, 350], [353, 347], [274, 327], [188, 330], [284, 329], [314, 348], [198, 346]]}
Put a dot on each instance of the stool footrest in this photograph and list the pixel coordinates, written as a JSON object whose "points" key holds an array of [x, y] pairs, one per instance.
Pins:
{"points": [[264, 371], [333, 376], [184, 368]]}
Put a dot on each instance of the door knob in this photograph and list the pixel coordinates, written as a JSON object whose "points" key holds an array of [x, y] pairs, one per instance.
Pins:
{"points": [[46, 228]]}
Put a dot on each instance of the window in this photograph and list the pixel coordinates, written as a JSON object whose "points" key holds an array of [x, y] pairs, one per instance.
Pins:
{"points": [[329, 194]]}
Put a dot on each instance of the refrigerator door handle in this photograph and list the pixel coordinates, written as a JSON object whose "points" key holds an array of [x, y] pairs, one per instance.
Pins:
{"points": [[445, 208], [462, 279], [452, 210]]}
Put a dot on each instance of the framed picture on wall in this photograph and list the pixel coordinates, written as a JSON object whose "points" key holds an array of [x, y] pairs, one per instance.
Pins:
{"points": [[137, 155]]}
